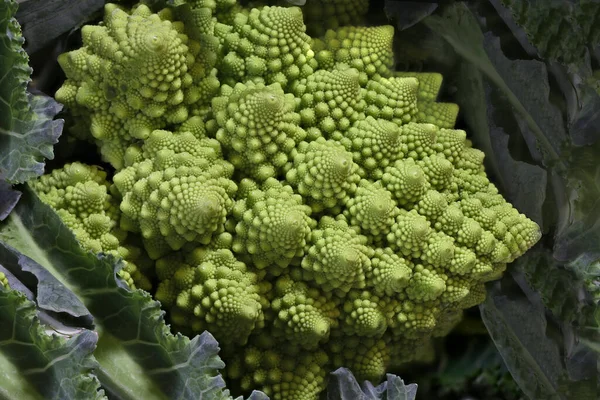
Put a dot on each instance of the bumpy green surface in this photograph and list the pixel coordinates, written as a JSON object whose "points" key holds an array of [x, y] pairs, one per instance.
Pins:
{"points": [[318, 210], [321, 15], [331, 101], [269, 43], [429, 110], [176, 189], [259, 126], [365, 48], [210, 289], [271, 225], [136, 73]]}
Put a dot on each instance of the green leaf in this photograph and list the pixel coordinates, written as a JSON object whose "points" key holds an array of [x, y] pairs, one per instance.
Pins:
{"points": [[139, 357], [518, 329], [45, 20], [584, 115], [578, 231], [405, 14], [554, 30], [27, 129], [8, 199], [47, 367], [562, 289], [343, 386], [532, 345], [51, 294]]}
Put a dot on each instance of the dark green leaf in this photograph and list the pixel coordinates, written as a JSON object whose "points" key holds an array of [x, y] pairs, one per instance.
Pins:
{"points": [[51, 294], [578, 231], [27, 129], [45, 20], [553, 30], [8, 199], [584, 121], [518, 328], [47, 367], [343, 386], [405, 14]]}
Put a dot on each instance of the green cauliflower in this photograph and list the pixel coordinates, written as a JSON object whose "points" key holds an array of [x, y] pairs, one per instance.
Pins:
{"points": [[332, 14], [442, 115], [270, 225], [269, 43], [366, 357], [283, 372], [302, 315], [301, 200], [321, 15], [258, 126], [338, 257], [210, 289], [368, 49], [135, 73], [176, 188], [323, 172], [331, 101]]}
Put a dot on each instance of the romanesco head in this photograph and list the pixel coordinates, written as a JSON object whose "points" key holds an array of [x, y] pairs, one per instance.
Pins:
{"points": [[298, 196]]}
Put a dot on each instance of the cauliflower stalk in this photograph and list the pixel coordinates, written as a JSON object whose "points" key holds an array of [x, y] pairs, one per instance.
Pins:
{"points": [[295, 196]]}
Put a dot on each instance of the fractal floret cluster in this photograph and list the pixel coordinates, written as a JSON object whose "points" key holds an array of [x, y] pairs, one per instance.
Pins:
{"points": [[295, 196]]}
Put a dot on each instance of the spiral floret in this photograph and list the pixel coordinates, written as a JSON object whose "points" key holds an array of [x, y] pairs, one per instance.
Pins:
{"points": [[271, 225], [406, 181], [269, 43], [368, 49], [321, 15], [258, 127], [281, 371], [175, 198], [374, 144], [389, 272], [443, 115], [393, 99], [362, 315], [211, 289], [324, 174], [410, 233], [301, 314], [337, 258], [372, 209], [331, 100], [367, 358]]}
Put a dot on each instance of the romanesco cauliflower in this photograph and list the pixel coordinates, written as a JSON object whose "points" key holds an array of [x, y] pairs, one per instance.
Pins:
{"points": [[297, 196]]}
